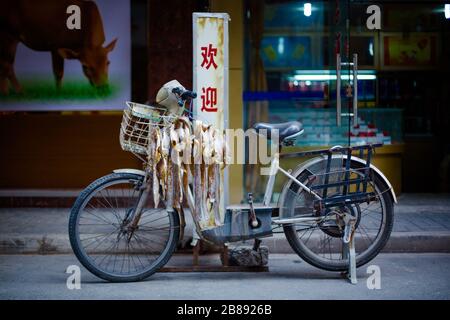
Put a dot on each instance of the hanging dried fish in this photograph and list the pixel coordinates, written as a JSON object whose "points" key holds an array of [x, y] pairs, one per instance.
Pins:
{"points": [[199, 211], [216, 175], [218, 147], [206, 160], [154, 157], [208, 154], [227, 154], [197, 149], [208, 145], [187, 153], [189, 149], [188, 142], [176, 167], [181, 149], [169, 186], [162, 166]]}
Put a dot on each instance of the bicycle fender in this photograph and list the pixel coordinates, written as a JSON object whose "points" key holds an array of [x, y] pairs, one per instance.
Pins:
{"points": [[133, 171], [379, 173]]}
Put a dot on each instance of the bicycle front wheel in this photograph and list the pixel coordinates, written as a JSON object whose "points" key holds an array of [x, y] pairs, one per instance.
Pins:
{"points": [[101, 241]]}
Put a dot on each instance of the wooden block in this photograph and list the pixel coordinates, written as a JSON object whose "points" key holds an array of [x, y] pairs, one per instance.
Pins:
{"points": [[196, 253], [225, 256]]}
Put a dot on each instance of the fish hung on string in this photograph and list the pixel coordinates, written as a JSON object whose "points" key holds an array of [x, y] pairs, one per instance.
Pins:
{"points": [[185, 154], [210, 150]]}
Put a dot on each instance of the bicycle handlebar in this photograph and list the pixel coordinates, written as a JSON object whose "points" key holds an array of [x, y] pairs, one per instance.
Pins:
{"points": [[184, 94]]}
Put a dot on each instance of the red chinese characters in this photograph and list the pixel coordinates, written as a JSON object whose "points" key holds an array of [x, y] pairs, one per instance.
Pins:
{"points": [[208, 54], [209, 99], [209, 94]]}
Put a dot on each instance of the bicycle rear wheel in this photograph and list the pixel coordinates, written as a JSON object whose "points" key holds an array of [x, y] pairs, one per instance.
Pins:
{"points": [[101, 241], [320, 243]]}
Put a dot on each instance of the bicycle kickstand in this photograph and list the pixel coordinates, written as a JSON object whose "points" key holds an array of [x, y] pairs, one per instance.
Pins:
{"points": [[349, 248], [256, 244]]}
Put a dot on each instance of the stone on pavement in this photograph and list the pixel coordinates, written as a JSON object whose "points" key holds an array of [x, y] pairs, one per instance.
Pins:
{"points": [[247, 257]]}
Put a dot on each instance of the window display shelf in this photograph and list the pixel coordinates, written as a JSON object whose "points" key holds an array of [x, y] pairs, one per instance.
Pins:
{"points": [[376, 125]]}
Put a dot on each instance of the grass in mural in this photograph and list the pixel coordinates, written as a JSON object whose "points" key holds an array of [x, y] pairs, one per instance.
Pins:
{"points": [[43, 90]]}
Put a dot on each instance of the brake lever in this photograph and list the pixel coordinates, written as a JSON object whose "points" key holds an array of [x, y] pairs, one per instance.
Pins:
{"points": [[177, 93]]}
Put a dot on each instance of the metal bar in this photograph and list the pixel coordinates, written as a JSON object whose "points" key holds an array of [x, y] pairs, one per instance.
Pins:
{"points": [[327, 175], [337, 184], [347, 170], [361, 155], [356, 170], [352, 261], [367, 171], [338, 89], [304, 187], [274, 167], [303, 219], [324, 151], [143, 196], [355, 89], [347, 199]]}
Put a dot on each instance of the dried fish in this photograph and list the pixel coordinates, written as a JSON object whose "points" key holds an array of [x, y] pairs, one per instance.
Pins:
{"points": [[186, 150], [188, 141], [173, 136], [163, 169], [218, 147], [169, 186], [156, 137], [165, 143], [227, 154], [208, 146], [175, 159]]}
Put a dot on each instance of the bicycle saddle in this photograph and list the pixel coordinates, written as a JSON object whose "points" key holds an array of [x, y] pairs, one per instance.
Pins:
{"points": [[285, 129]]}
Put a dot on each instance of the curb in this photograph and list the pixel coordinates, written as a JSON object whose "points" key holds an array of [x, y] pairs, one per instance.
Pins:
{"points": [[399, 242]]}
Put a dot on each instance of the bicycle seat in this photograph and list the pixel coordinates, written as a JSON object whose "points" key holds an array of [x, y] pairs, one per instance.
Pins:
{"points": [[290, 129]]}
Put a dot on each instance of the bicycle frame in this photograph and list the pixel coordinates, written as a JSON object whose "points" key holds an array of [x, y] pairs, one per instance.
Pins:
{"points": [[274, 169]]}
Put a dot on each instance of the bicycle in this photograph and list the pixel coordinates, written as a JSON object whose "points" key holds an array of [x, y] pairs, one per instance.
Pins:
{"points": [[118, 235]]}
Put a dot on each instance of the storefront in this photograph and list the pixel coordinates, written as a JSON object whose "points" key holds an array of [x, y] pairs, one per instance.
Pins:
{"points": [[298, 54], [284, 66]]}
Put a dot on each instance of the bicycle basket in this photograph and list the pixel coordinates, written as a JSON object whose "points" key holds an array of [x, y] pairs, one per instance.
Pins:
{"points": [[137, 120]]}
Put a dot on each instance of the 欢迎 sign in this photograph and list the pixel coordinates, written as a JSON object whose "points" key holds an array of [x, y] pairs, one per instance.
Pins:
{"points": [[210, 74], [210, 78]]}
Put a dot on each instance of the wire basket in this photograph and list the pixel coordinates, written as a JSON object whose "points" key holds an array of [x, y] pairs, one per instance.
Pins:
{"points": [[137, 121]]}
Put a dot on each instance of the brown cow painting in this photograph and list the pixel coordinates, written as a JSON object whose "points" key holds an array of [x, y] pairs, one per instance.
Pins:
{"points": [[41, 25]]}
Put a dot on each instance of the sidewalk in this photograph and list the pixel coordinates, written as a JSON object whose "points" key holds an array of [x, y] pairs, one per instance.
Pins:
{"points": [[422, 224]]}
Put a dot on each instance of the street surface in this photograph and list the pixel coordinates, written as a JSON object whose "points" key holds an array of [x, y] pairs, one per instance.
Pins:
{"points": [[403, 276]]}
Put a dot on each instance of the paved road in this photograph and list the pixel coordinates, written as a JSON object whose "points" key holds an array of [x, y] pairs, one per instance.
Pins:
{"points": [[403, 276]]}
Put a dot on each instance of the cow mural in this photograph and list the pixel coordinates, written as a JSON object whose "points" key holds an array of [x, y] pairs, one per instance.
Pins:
{"points": [[41, 26]]}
